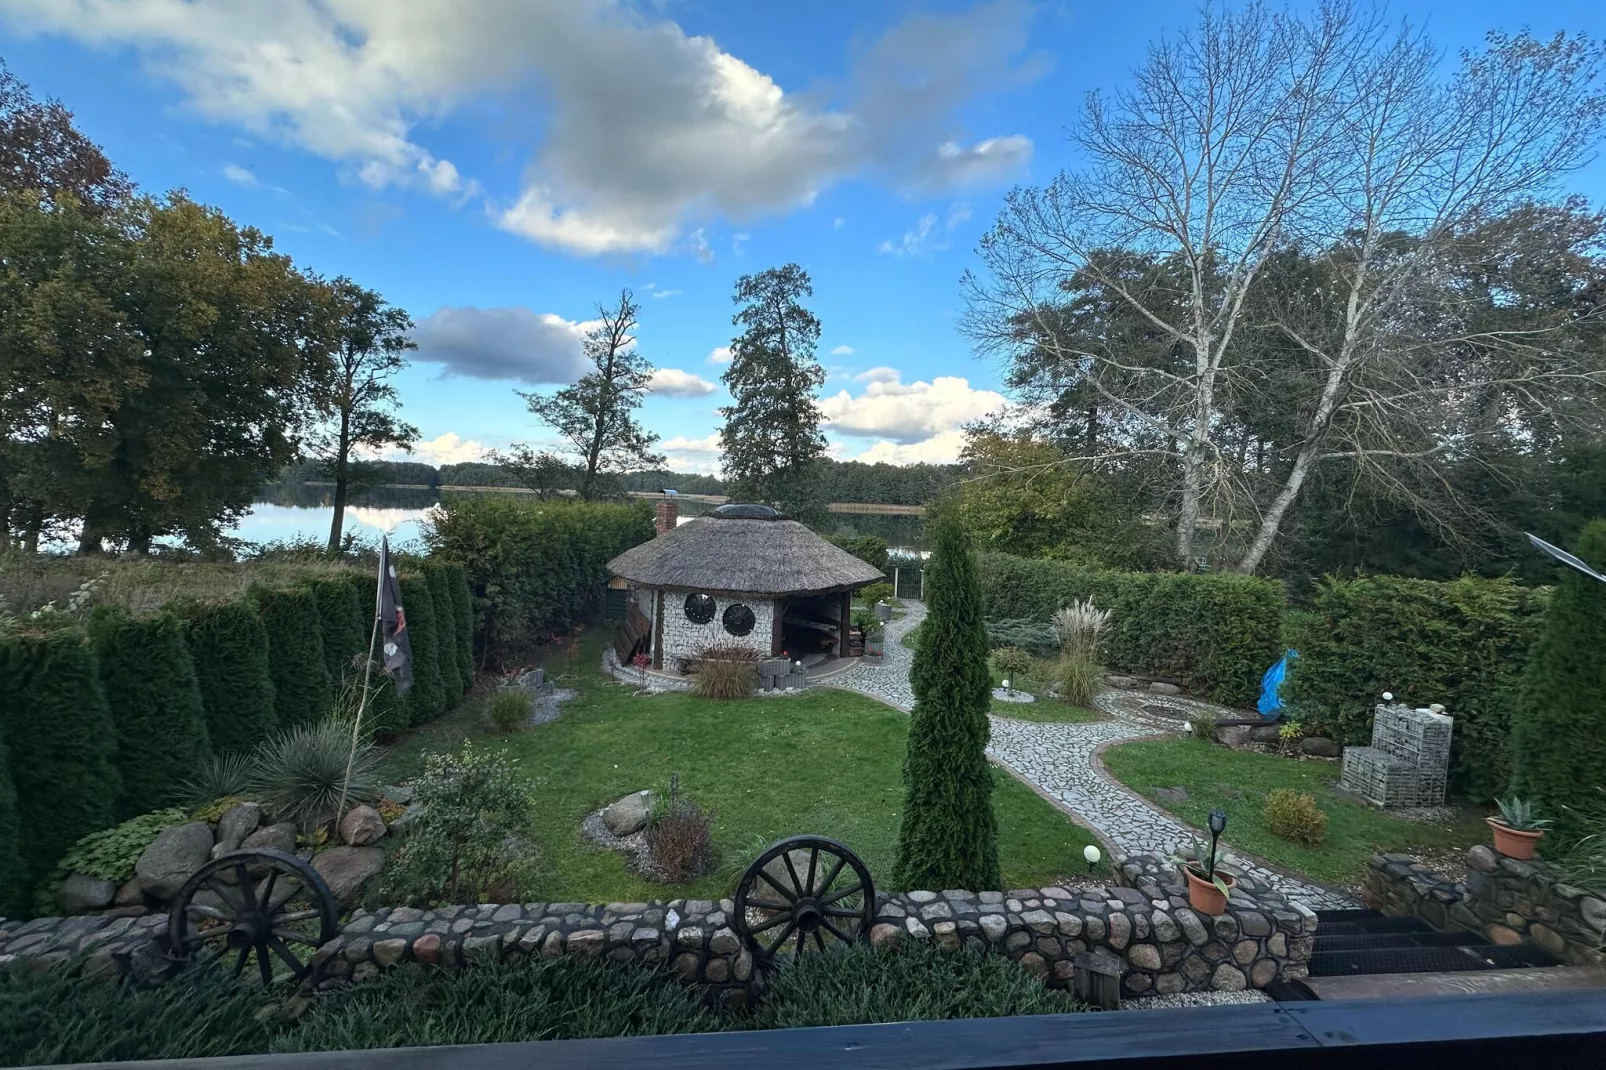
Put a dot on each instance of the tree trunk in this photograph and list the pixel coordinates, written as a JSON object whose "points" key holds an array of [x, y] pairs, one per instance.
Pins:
{"points": [[337, 524], [1273, 517], [139, 542]]}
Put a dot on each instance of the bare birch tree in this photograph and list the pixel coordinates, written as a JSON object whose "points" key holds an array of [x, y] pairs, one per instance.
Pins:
{"points": [[1256, 134]]}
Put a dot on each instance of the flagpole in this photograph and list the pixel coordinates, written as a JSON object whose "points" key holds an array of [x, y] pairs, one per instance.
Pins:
{"points": [[367, 674]]}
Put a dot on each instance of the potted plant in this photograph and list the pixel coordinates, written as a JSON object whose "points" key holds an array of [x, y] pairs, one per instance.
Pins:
{"points": [[1517, 830], [1208, 886], [863, 622]]}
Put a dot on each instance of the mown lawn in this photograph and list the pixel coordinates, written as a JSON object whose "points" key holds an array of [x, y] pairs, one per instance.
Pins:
{"points": [[1237, 782], [827, 762]]}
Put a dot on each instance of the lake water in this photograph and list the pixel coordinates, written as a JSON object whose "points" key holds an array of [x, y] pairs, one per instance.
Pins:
{"points": [[289, 514]]}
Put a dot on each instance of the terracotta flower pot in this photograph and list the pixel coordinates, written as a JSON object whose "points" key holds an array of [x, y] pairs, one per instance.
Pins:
{"points": [[1204, 896], [1514, 843]]}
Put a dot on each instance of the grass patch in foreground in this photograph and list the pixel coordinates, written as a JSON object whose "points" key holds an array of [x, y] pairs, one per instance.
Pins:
{"points": [[50, 1018], [826, 762], [1237, 782], [1046, 711]]}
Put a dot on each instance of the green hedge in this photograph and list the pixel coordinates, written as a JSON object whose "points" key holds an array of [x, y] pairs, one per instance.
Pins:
{"points": [[427, 698], [301, 689], [148, 676], [447, 642], [1461, 643], [463, 614], [61, 739], [386, 713], [536, 568], [342, 626], [11, 886], [871, 549], [1218, 633], [229, 646]]}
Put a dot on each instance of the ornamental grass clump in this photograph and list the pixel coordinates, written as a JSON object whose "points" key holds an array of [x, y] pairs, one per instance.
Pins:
{"points": [[680, 838], [1079, 626], [508, 709], [1294, 816], [300, 773], [725, 672]]}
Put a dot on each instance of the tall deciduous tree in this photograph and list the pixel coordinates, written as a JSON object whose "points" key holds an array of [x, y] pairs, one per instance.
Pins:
{"points": [[596, 416], [42, 152], [1333, 138], [771, 438], [353, 390], [949, 835]]}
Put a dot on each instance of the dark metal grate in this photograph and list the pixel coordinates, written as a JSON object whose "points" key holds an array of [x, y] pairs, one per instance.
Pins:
{"points": [[1384, 941], [1370, 926], [1426, 960]]}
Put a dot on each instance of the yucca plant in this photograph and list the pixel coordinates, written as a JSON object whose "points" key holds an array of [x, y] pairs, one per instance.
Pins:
{"points": [[220, 776], [299, 772]]}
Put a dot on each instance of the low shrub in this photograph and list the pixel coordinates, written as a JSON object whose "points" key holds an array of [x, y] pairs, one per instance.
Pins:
{"points": [[1077, 676], [1013, 663], [725, 672], [508, 709], [1579, 851], [466, 845], [680, 838], [876, 592], [1294, 816], [1032, 636], [1203, 725], [298, 774]]}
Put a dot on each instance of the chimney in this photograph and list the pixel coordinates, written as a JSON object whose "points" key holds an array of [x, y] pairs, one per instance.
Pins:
{"points": [[668, 515]]}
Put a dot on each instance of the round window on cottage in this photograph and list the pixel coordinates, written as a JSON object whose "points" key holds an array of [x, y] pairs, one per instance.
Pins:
{"points": [[738, 619], [699, 608]]}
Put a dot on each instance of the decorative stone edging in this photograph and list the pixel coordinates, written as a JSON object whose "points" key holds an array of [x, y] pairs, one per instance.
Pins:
{"points": [[1507, 900]]}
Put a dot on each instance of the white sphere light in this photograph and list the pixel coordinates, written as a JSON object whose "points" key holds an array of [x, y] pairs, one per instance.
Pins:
{"points": [[1092, 854], [1388, 696], [1006, 685]]}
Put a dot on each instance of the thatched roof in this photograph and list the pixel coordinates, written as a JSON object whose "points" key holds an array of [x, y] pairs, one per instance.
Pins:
{"points": [[743, 550]]}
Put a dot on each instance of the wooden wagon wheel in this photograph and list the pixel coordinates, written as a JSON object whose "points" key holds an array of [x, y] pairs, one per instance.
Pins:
{"points": [[808, 891], [261, 900]]}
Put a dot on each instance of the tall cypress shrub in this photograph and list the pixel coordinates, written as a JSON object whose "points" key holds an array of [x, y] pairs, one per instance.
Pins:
{"points": [[463, 608], [149, 679], [386, 713], [342, 628], [11, 888], [229, 647], [1558, 736], [426, 699], [301, 690], [440, 589], [61, 740], [949, 834]]}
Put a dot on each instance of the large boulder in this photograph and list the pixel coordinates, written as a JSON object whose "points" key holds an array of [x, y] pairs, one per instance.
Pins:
{"points": [[630, 814], [172, 857], [1318, 747], [347, 869], [361, 826], [1160, 687], [1233, 735], [81, 893], [235, 825], [1266, 733], [280, 837]]}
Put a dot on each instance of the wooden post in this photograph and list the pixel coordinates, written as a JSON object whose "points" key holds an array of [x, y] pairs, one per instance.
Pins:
{"points": [[1096, 980], [847, 623]]}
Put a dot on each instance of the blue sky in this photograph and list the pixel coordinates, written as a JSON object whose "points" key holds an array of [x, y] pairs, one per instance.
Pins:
{"points": [[499, 167]]}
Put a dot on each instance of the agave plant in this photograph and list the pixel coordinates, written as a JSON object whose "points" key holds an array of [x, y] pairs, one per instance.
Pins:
{"points": [[1202, 865], [1518, 814]]}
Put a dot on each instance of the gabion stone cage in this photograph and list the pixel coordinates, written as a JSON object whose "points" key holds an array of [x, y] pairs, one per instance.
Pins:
{"points": [[1408, 763]]}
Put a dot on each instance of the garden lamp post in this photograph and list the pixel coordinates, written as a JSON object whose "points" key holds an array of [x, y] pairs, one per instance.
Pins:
{"points": [[1218, 825], [1091, 853]]}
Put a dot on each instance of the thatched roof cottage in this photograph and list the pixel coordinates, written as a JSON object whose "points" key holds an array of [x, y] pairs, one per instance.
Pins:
{"points": [[739, 575]]}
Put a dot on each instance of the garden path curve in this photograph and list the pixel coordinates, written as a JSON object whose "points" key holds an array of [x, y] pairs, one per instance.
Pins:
{"points": [[1060, 761]]}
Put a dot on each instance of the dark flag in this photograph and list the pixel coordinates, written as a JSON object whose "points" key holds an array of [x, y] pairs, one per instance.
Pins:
{"points": [[398, 645]]}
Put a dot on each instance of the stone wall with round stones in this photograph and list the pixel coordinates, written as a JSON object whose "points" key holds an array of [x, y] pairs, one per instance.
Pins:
{"points": [[1508, 900], [684, 637], [1145, 927]]}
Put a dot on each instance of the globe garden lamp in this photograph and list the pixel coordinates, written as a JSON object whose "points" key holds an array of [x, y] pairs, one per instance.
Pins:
{"points": [[1218, 825], [1006, 685], [1092, 854]]}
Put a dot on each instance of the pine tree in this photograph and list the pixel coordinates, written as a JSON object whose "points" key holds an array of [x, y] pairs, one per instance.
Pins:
{"points": [[949, 834], [60, 736], [301, 691], [149, 679], [229, 647], [1558, 735], [446, 655], [771, 439]]}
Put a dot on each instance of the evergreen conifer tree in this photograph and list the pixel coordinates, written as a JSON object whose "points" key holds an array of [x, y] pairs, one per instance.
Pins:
{"points": [[426, 699], [301, 690], [446, 658], [343, 628], [1558, 736], [229, 647], [463, 606], [60, 736], [10, 858], [949, 835], [149, 679]]}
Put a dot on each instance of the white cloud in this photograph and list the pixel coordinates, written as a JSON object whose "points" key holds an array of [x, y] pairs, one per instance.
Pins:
{"points": [[503, 343], [842, 351], [692, 454], [836, 224], [986, 163], [240, 176], [647, 132], [449, 448], [927, 236], [942, 448], [659, 295], [907, 413], [674, 383], [720, 355], [881, 374]]}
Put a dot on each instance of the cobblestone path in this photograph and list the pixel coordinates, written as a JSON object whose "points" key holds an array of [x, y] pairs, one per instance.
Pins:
{"points": [[1058, 760]]}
